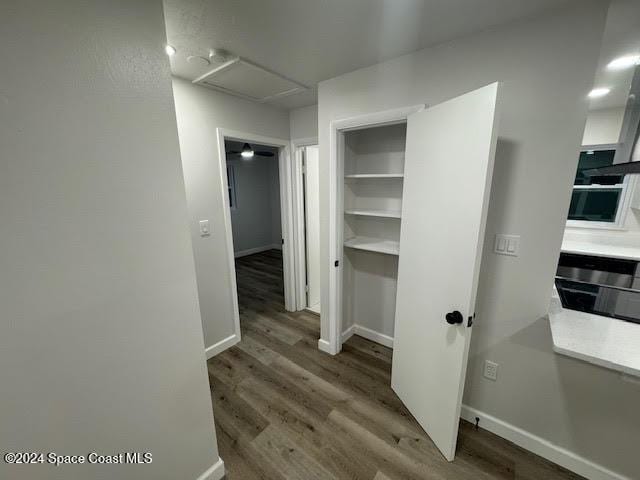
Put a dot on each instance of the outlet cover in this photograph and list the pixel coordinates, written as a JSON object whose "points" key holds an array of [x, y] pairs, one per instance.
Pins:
{"points": [[205, 231], [490, 370]]}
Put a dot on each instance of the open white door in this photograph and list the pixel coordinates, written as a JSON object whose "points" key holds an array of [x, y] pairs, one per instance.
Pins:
{"points": [[448, 169]]}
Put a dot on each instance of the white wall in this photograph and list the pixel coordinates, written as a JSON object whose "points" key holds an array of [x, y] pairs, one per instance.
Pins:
{"points": [[547, 65], [603, 126], [101, 344], [200, 111], [256, 218], [303, 122]]}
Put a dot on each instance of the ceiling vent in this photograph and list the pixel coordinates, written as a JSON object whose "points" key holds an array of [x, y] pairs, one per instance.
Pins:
{"points": [[244, 79]]}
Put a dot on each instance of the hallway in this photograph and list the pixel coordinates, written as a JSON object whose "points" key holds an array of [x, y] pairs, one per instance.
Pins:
{"points": [[285, 410]]}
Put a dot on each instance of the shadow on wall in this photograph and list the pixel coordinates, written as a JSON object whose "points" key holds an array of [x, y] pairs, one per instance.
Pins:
{"points": [[502, 190], [574, 397]]}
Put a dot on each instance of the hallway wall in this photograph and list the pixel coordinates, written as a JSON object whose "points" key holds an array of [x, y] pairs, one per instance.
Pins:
{"points": [[303, 122], [101, 345], [200, 111]]}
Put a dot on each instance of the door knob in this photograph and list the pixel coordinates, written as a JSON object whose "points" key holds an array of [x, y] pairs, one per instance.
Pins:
{"points": [[454, 317]]}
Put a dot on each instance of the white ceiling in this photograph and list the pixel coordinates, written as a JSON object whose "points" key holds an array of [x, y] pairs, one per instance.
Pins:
{"points": [[621, 37], [313, 40]]}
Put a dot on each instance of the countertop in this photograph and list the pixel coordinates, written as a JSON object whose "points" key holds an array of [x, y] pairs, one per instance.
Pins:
{"points": [[601, 250], [603, 341]]}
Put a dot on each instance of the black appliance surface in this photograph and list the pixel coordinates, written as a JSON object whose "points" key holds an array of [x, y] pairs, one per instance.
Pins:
{"points": [[599, 285]]}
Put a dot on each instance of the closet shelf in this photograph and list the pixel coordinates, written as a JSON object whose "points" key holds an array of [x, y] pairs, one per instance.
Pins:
{"points": [[373, 213], [378, 245], [375, 175]]}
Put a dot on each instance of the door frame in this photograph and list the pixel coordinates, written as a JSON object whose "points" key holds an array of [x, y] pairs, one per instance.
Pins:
{"points": [[286, 213], [337, 128], [297, 146]]}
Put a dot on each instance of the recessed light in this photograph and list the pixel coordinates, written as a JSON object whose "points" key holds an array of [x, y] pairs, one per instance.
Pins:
{"points": [[590, 152], [198, 61], [598, 92], [169, 50], [621, 63]]}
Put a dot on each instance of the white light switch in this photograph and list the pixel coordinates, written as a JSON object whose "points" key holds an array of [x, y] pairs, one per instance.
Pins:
{"points": [[204, 228], [507, 245]]}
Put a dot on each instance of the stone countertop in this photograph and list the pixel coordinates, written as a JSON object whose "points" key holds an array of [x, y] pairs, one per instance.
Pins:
{"points": [[607, 342], [601, 250]]}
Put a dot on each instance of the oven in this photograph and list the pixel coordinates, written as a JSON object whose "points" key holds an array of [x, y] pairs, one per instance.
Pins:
{"points": [[600, 285]]}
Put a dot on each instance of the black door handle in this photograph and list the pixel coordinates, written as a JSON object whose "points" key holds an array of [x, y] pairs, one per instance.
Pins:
{"points": [[454, 317]]}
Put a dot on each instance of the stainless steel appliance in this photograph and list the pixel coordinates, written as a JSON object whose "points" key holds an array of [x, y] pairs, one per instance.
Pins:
{"points": [[600, 285]]}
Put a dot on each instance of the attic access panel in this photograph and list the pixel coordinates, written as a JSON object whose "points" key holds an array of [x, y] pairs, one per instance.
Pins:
{"points": [[244, 79]]}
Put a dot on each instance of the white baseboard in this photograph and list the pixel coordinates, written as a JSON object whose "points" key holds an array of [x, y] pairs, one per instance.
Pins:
{"points": [[369, 334], [540, 446], [214, 472], [251, 251], [221, 346], [348, 333], [325, 346]]}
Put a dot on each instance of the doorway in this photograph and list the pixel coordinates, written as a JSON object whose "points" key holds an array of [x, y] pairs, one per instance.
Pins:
{"points": [[234, 193], [253, 187]]}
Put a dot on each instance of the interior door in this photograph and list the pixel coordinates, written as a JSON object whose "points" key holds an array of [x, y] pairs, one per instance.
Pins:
{"points": [[448, 169], [312, 220]]}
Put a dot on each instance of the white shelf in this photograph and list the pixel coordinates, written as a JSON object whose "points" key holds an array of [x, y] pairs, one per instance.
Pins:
{"points": [[373, 213], [375, 175], [378, 245]]}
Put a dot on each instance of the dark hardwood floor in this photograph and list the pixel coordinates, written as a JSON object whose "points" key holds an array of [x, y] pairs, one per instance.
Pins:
{"points": [[285, 410]]}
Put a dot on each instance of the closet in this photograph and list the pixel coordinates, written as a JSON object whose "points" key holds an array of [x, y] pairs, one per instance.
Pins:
{"points": [[372, 208], [409, 193]]}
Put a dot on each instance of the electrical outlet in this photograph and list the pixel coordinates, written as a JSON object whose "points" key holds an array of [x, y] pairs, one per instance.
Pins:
{"points": [[490, 370]]}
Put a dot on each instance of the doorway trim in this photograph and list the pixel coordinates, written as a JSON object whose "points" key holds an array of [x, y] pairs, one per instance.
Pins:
{"points": [[337, 128], [286, 213], [299, 225]]}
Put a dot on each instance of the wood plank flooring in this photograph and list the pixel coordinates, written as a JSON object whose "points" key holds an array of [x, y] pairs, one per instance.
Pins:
{"points": [[285, 410]]}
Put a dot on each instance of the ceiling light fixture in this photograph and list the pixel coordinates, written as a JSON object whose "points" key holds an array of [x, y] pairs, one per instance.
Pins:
{"points": [[598, 92], [198, 61], [219, 55], [247, 151], [621, 63], [169, 50]]}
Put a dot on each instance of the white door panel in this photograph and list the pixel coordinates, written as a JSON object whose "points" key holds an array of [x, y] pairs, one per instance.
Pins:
{"points": [[312, 207], [448, 169]]}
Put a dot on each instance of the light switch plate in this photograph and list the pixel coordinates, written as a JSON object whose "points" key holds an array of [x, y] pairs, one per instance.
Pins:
{"points": [[507, 245], [204, 228]]}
